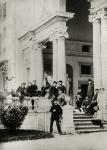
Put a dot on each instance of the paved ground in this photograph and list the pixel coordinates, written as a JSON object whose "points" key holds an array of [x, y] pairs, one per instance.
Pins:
{"points": [[90, 141]]}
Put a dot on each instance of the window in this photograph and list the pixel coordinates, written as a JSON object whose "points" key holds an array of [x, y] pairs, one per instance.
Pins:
{"points": [[85, 48], [86, 69], [4, 10]]}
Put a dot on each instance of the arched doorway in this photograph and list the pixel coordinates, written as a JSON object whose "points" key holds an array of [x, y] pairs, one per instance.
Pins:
{"points": [[69, 71]]}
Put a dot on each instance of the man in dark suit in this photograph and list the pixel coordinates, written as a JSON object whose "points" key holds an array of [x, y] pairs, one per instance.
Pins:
{"points": [[61, 87], [90, 90], [53, 91], [93, 103], [29, 89], [56, 113], [34, 89]]}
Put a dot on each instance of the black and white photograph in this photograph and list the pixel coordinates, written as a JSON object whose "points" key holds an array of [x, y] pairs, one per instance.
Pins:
{"points": [[53, 74]]}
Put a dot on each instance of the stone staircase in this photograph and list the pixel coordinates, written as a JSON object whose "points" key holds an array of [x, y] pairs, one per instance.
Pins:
{"points": [[83, 124]]}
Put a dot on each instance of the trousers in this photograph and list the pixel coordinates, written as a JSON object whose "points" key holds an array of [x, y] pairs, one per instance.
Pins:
{"points": [[57, 124]]}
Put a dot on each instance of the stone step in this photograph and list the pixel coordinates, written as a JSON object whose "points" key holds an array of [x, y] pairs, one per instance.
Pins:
{"points": [[91, 130], [86, 127], [82, 119], [83, 123]]}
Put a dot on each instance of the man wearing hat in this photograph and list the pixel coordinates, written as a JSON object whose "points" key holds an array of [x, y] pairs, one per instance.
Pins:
{"points": [[61, 87], [56, 114]]}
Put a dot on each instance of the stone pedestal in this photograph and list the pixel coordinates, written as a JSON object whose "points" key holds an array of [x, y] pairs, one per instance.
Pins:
{"points": [[38, 119], [102, 103], [31, 121], [67, 122]]}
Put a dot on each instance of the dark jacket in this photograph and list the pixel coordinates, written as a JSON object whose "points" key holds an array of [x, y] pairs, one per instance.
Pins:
{"points": [[29, 91], [62, 88], [53, 91], [56, 111], [32, 90], [21, 90], [90, 91]]}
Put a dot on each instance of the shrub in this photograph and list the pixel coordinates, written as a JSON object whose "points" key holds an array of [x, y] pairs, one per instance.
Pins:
{"points": [[12, 117]]}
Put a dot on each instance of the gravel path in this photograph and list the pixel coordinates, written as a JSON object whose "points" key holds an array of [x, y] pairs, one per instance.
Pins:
{"points": [[91, 141]]}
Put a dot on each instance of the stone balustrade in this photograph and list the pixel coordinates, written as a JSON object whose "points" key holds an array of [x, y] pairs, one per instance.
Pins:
{"points": [[38, 117]]}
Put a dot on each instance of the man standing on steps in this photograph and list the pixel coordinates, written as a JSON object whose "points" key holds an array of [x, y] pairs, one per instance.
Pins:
{"points": [[90, 90], [56, 113]]}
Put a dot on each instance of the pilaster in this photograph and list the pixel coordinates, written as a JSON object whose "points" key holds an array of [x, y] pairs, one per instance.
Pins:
{"points": [[36, 62]]}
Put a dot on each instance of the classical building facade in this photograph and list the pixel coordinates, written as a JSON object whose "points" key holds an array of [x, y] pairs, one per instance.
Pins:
{"points": [[59, 37]]}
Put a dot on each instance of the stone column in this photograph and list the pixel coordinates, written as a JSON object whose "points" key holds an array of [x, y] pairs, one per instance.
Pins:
{"points": [[59, 56], [55, 57], [36, 64], [104, 49], [97, 54], [40, 66], [62, 34], [33, 61], [61, 60]]}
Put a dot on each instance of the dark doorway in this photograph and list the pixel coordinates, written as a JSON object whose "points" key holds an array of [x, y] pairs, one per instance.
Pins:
{"points": [[84, 89]]}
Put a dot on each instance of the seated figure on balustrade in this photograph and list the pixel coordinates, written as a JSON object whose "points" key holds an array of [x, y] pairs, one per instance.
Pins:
{"points": [[48, 81], [61, 87], [32, 89]]}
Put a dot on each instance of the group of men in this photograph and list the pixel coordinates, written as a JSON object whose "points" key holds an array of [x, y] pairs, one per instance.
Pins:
{"points": [[90, 98], [30, 90], [56, 93], [90, 105]]}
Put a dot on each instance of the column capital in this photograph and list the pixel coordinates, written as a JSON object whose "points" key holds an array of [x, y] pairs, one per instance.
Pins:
{"points": [[104, 13], [60, 32], [93, 18], [98, 15], [35, 44]]}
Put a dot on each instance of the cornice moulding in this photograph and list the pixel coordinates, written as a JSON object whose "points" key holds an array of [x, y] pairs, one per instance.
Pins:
{"points": [[48, 19]]}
